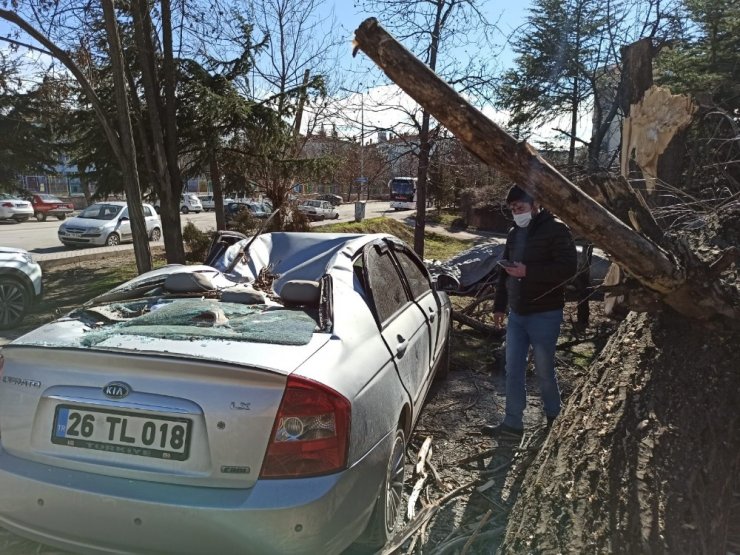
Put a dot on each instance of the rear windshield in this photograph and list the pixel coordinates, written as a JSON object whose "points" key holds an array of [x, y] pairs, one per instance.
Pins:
{"points": [[49, 198], [191, 319]]}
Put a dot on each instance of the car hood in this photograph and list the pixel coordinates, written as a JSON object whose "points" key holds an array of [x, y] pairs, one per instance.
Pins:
{"points": [[12, 250], [86, 223]]}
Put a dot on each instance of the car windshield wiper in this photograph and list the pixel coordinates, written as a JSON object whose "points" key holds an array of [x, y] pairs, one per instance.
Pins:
{"points": [[244, 249]]}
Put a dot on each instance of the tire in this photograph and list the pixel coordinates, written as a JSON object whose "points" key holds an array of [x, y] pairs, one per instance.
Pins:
{"points": [[388, 510], [337, 216], [323, 217], [155, 235], [113, 240], [184, 210], [14, 303], [62, 217], [40, 216]]}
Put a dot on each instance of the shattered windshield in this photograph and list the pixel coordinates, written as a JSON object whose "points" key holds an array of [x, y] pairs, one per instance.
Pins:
{"points": [[190, 319]]}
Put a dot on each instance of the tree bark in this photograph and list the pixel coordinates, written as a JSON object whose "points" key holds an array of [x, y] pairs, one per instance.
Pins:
{"points": [[170, 121], [644, 456], [218, 193], [169, 207], [679, 278], [142, 253]]}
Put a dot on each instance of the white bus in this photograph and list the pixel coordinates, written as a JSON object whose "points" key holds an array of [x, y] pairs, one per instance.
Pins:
{"points": [[403, 193]]}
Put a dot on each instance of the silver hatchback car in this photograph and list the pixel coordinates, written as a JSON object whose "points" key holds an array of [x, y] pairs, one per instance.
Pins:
{"points": [[257, 404], [106, 223]]}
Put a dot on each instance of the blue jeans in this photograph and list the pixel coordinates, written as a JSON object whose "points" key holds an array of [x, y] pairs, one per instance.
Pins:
{"points": [[540, 330]]}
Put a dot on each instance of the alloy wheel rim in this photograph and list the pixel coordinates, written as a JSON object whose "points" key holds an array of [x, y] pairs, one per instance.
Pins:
{"points": [[12, 303], [113, 240], [394, 486]]}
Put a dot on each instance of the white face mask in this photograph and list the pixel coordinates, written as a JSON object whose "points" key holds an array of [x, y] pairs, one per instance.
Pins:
{"points": [[523, 219]]}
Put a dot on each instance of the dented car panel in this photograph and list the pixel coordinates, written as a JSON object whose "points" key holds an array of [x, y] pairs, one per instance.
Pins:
{"points": [[177, 398]]}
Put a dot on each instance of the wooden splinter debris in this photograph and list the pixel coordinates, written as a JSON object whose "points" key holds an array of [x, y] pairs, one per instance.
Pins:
{"points": [[650, 127], [419, 470]]}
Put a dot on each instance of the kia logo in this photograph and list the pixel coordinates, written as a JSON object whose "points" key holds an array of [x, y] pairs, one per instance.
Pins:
{"points": [[116, 390]]}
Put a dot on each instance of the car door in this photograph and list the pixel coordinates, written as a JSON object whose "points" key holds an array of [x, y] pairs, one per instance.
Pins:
{"points": [[424, 296], [124, 225], [402, 323], [149, 219]]}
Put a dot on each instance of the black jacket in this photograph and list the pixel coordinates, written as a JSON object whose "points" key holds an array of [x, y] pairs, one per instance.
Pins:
{"points": [[550, 258]]}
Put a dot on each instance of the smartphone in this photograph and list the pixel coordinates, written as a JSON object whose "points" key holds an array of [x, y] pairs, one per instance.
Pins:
{"points": [[506, 263]]}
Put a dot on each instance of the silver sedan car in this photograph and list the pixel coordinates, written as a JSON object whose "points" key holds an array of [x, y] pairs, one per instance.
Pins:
{"points": [[259, 403], [106, 223]]}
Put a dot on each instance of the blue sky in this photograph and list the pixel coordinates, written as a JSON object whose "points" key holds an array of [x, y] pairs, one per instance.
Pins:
{"points": [[510, 15]]}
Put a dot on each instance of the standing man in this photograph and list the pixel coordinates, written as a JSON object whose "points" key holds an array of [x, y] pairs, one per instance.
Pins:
{"points": [[539, 258]]}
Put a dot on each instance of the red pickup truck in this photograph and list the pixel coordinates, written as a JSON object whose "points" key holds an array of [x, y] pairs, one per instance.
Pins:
{"points": [[48, 205]]}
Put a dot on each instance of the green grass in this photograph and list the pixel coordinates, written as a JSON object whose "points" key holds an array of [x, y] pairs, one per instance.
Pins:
{"points": [[436, 246]]}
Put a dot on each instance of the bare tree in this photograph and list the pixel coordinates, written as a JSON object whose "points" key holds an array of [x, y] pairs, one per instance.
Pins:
{"points": [[438, 31]]}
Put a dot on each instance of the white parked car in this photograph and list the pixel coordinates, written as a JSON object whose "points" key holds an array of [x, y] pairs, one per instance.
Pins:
{"points": [[260, 403], [106, 223], [318, 210], [209, 204], [12, 208], [189, 202], [20, 286]]}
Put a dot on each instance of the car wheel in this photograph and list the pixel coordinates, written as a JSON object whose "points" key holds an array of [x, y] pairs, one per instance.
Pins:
{"points": [[336, 216], [389, 506], [14, 302], [40, 216], [155, 235], [62, 217], [184, 210], [113, 240]]}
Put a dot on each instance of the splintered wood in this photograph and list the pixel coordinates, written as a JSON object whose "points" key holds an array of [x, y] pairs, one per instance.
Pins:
{"points": [[650, 127]]}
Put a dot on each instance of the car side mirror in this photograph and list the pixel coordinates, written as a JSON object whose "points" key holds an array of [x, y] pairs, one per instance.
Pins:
{"points": [[123, 218], [446, 282]]}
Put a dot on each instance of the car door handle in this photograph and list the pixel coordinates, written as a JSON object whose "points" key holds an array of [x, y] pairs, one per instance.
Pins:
{"points": [[402, 345], [432, 314]]}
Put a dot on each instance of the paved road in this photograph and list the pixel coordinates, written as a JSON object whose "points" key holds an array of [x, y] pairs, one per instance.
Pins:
{"points": [[41, 237]]}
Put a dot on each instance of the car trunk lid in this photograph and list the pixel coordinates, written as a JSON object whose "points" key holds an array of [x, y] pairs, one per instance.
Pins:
{"points": [[166, 418]]}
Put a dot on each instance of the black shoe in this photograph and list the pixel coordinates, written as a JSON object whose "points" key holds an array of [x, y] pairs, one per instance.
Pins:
{"points": [[501, 430]]}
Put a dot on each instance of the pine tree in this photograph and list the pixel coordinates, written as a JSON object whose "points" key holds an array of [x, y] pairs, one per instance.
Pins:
{"points": [[559, 51]]}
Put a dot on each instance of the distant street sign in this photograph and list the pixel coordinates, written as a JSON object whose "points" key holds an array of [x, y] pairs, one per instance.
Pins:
{"points": [[361, 180]]}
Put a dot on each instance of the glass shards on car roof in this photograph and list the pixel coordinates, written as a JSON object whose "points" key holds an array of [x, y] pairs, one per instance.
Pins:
{"points": [[188, 319]]}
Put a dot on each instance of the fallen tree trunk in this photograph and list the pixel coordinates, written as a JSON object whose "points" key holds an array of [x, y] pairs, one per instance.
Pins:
{"points": [[646, 453], [644, 457], [679, 278]]}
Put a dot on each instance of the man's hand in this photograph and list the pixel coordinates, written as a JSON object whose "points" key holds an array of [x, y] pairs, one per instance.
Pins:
{"points": [[498, 319], [518, 270]]}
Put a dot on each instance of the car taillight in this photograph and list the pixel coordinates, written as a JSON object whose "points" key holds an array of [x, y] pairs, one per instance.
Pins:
{"points": [[310, 436], [7, 204]]}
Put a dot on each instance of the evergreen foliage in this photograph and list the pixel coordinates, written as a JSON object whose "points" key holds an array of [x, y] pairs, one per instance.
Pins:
{"points": [[706, 62]]}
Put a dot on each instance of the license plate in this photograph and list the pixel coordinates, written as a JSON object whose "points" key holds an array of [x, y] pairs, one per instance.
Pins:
{"points": [[129, 433]]}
